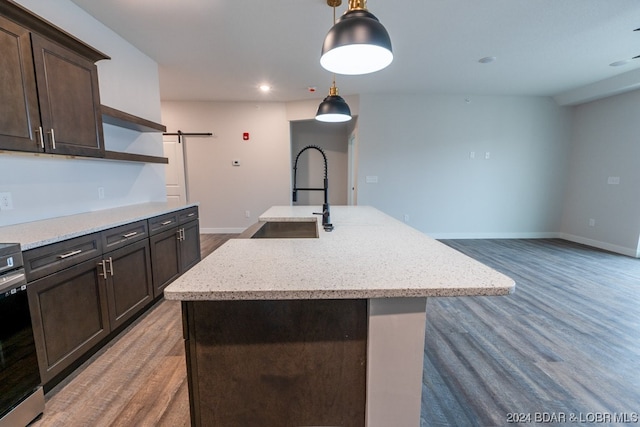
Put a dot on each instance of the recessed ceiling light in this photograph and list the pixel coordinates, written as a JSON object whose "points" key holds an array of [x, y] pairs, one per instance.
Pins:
{"points": [[265, 88], [487, 59]]}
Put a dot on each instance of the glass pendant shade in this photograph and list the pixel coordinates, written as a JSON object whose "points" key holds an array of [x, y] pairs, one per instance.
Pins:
{"points": [[333, 108], [357, 44]]}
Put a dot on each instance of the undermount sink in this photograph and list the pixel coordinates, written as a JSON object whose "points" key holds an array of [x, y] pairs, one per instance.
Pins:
{"points": [[282, 230]]}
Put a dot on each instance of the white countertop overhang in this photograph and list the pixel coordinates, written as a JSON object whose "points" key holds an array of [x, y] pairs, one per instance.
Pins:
{"points": [[367, 255]]}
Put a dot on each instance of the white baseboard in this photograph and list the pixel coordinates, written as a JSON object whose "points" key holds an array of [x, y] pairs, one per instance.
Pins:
{"points": [[535, 235], [601, 245]]}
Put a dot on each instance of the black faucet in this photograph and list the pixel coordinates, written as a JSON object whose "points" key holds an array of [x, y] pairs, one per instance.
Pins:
{"points": [[326, 215]]}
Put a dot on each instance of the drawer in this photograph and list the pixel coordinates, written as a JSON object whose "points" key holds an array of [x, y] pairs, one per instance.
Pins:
{"points": [[118, 237], [160, 223], [45, 260], [188, 214]]}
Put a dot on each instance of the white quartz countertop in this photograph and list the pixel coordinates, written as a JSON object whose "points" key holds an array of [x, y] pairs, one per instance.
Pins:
{"points": [[39, 233], [367, 255]]}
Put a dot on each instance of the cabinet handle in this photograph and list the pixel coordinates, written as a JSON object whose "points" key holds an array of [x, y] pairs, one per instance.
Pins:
{"points": [[110, 266], [180, 234], [191, 214], [104, 269], [40, 136], [53, 138], [166, 222], [133, 233], [68, 254]]}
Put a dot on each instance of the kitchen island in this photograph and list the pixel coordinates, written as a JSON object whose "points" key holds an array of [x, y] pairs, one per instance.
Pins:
{"points": [[318, 331]]}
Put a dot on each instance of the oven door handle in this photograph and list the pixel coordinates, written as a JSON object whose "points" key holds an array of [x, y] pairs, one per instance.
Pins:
{"points": [[11, 280]]}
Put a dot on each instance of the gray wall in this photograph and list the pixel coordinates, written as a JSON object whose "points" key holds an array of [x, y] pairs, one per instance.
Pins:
{"points": [[419, 148], [605, 144], [226, 192]]}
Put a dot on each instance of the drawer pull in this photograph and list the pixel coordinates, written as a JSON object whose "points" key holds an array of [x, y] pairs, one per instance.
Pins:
{"points": [[191, 214], [53, 139], [133, 233], [40, 136], [104, 269], [166, 222], [180, 234], [110, 266], [72, 253]]}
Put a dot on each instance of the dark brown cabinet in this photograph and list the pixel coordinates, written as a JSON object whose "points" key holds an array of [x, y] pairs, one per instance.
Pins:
{"points": [[83, 291], [19, 114], [127, 275], [174, 249], [49, 98], [69, 315], [69, 100]]}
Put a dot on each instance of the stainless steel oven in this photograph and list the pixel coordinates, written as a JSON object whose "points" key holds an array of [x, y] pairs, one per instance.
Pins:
{"points": [[21, 395]]}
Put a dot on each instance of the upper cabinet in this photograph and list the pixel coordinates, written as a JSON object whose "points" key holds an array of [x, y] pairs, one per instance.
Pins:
{"points": [[49, 99], [19, 113], [69, 100]]}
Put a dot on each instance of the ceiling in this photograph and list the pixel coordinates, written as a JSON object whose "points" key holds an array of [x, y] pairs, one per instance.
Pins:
{"points": [[224, 49]]}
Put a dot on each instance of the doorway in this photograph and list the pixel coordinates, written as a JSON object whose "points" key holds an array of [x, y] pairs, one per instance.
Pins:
{"points": [[175, 170], [334, 139]]}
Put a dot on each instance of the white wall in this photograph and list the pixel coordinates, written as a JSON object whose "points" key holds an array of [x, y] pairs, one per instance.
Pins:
{"points": [[419, 149], [225, 192], [417, 146], [44, 186], [605, 144]]}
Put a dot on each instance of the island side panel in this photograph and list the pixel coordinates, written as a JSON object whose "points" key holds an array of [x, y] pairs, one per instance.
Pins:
{"points": [[395, 362], [285, 362]]}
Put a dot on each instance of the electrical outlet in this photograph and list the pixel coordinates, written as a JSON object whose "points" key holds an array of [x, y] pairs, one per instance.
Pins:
{"points": [[592, 222], [406, 217], [247, 214], [6, 202], [100, 192]]}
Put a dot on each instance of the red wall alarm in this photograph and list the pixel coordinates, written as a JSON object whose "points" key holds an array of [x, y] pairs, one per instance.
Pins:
{"points": [[245, 136]]}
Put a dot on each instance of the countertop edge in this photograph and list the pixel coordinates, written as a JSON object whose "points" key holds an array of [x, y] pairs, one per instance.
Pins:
{"points": [[151, 209], [335, 294]]}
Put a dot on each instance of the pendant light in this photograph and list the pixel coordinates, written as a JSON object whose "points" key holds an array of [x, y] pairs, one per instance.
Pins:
{"points": [[357, 44], [333, 108]]}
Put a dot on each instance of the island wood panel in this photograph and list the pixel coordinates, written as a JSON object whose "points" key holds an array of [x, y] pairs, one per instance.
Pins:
{"points": [[277, 363]]}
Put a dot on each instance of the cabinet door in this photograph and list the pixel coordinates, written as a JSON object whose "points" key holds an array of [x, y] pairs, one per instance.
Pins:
{"points": [[190, 245], [128, 281], [69, 100], [165, 259], [69, 315], [19, 115]]}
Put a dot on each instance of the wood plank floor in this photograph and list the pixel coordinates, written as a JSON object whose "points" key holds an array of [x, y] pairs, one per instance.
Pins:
{"points": [[567, 341]]}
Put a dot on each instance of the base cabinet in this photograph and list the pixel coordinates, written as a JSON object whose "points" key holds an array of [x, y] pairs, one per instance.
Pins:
{"points": [[69, 315], [84, 290], [128, 280], [174, 250]]}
